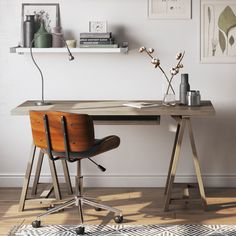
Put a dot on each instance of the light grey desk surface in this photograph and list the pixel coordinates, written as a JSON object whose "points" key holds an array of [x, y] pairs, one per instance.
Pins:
{"points": [[116, 108]]}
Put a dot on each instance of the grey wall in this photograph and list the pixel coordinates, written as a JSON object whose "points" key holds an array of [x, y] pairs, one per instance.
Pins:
{"points": [[143, 157]]}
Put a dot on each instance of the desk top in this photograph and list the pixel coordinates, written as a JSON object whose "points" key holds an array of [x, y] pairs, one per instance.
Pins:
{"points": [[116, 108]]}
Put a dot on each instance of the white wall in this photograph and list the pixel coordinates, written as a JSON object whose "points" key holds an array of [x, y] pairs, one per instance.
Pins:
{"points": [[144, 154]]}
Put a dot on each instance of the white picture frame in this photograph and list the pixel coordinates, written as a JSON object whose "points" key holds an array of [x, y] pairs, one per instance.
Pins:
{"points": [[217, 32], [169, 9]]}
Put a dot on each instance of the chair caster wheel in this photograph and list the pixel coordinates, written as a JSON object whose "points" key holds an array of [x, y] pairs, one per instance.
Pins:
{"points": [[80, 230], [36, 223], [118, 219], [97, 209]]}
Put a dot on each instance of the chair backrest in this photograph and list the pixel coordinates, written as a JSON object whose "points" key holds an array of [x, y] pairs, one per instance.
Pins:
{"points": [[79, 129]]}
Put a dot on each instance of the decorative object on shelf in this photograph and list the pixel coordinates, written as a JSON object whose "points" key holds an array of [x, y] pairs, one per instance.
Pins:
{"points": [[169, 96], [169, 9], [56, 37], [47, 12], [97, 40], [71, 43], [28, 30], [193, 98], [97, 26], [183, 89], [218, 31], [42, 38], [71, 58]]}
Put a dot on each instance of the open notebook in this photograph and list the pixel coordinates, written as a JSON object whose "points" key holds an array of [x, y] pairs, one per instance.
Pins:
{"points": [[141, 104]]}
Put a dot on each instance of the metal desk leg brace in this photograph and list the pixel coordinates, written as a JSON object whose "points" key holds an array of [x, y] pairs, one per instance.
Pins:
{"points": [[182, 122]]}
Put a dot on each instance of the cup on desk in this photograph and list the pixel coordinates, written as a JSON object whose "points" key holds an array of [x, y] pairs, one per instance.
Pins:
{"points": [[193, 98], [71, 43]]}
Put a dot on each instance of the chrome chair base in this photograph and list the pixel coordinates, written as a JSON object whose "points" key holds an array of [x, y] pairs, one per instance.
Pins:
{"points": [[79, 201]]}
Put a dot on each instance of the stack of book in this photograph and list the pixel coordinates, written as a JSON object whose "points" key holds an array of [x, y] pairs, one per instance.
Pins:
{"points": [[97, 40]]}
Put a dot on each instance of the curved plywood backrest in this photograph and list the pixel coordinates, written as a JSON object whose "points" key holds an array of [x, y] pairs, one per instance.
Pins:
{"points": [[80, 130]]}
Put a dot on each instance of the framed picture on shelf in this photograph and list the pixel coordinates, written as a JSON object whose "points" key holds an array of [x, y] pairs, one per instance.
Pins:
{"points": [[48, 12], [218, 31], [169, 9]]}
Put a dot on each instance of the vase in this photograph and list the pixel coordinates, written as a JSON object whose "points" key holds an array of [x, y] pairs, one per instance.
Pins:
{"points": [[183, 89], [42, 38], [28, 31], [36, 22], [169, 98], [57, 38]]}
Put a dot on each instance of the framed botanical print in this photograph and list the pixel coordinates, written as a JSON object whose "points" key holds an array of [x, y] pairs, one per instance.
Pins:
{"points": [[218, 31]]}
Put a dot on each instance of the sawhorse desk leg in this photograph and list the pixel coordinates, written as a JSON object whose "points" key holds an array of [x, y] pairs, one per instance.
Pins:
{"points": [[37, 176], [53, 169], [27, 178], [182, 122]]}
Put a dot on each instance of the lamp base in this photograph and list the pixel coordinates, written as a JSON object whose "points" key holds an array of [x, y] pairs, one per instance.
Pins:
{"points": [[42, 103]]}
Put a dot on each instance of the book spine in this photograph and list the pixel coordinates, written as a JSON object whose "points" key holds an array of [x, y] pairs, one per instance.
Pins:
{"points": [[95, 43], [95, 40], [99, 46], [96, 35]]}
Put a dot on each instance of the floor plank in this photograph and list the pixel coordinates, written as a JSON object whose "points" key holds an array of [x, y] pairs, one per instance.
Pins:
{"points": [[139, 205]]}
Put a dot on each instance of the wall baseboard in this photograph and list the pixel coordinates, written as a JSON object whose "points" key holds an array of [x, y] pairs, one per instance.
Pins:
{"points": [[16, 180]]}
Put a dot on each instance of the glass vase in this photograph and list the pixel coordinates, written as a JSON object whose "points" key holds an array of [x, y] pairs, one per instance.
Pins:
{"points": [[169, 98]]}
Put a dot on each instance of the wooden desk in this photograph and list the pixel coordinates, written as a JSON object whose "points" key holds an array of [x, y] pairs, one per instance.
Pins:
{"points": [[110, 110]]}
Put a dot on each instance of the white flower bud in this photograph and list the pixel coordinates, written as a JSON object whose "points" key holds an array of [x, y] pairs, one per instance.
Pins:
{"points": [[173, 71], [150, 50], [155, 61], [142, 49]]}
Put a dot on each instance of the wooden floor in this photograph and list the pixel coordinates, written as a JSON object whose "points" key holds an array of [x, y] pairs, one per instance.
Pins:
{"points": [[139, 205]]}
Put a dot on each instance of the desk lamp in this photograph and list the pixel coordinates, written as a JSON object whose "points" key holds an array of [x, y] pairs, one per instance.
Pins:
{"points": [[71, 58]]}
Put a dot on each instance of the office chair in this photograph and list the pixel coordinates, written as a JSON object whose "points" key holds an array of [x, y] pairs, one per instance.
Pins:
{"points": [[71, 136]]}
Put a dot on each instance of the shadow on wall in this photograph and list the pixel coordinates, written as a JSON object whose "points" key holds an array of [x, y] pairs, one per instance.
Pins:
{"points": [[120, 34]]}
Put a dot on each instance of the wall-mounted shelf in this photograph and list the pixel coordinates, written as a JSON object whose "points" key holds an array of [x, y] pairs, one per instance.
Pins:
{"points": [[21, 50]]}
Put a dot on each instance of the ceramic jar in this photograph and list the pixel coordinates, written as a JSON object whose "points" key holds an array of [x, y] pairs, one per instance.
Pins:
{"points": [[42, 38], [183, 89]]}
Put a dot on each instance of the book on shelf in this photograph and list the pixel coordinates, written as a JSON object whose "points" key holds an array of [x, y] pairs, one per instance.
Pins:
{"points": [[141, 104], [96, 39], [96, 35], [99, 46], [96, 43]]}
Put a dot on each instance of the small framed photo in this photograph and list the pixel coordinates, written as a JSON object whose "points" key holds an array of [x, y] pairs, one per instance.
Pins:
{"points": [[218, 31], [48, 12], [169, 9], [98, 26]]}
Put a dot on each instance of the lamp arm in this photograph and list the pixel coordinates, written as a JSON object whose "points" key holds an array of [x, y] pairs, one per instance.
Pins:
{"points": [[71, 58], [35, 63]]}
